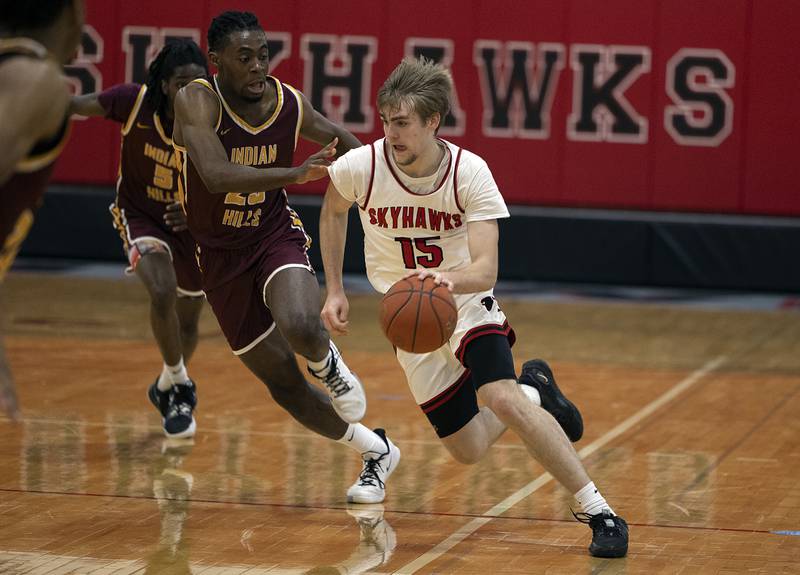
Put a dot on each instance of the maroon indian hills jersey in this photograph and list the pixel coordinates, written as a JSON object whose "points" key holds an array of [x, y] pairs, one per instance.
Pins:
{"points": [[239, 220], [148, 172], [21, 194]]}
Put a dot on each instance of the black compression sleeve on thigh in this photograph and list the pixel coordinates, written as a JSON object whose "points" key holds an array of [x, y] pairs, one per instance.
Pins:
{"points": [[489, 358]]}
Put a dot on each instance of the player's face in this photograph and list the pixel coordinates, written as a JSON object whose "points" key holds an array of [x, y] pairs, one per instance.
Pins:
{"points": [[243, 63], [409, 137], [181, 76]]}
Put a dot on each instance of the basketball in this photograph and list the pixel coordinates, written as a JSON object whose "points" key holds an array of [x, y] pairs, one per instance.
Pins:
{"points": [[417, 315]]}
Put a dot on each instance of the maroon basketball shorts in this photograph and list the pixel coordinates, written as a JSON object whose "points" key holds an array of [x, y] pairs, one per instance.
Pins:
{"points": [[136, 228], [240, 302]]}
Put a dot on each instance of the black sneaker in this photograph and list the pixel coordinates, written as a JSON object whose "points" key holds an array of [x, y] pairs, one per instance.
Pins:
{"points": [[538, 374], [609, 534], [158, 398], [176, 407]]}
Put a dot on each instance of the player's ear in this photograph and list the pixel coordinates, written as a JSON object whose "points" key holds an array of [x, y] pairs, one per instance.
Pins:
{"points": [[213, 57], [434, 121]]}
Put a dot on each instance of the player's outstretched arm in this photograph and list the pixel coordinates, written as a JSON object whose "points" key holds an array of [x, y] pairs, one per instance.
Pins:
{"points": [[33, 105], [86, 105], [197, 110], [332, 237], [319, 129]]}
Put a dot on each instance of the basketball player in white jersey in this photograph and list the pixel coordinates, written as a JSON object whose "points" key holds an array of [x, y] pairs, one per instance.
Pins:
{"points": [[430, 208]]}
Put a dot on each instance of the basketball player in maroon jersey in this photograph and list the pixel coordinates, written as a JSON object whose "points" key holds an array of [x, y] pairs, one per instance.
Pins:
{"points": [[237, 134], [37, 37], [150, 220]]}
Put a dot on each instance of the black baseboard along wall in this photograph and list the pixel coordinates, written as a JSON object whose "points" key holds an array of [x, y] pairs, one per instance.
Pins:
{"points": [[536, 243]]}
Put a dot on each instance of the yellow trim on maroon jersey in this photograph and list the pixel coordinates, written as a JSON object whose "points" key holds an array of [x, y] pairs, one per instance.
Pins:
{"points": [[134, 111], [241, 122], [34, 163], [183, 180], [299, 113], [207, 85], [160, 129], [23, 46]]}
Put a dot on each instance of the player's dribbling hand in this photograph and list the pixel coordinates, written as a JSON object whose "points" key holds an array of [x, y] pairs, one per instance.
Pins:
{"points": [[316, 165], [438, 278], [334, 314], [175, 217]]}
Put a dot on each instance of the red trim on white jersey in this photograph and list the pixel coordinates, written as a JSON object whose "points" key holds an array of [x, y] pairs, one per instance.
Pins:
{"points": [[400, 182], [486, 329], [455, 182], [446, 395], [371, 176]]}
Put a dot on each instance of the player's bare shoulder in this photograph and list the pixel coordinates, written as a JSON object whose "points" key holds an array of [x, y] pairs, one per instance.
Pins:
{"points": [[36, 90], [196, 105], [196, 93], [26, 78]]}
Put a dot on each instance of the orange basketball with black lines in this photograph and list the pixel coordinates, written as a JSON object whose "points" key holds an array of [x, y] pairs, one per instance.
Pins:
{"points": [[417, 315]]}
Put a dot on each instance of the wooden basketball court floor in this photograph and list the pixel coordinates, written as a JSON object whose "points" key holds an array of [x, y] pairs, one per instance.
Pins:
{"points": [[692, 432]]}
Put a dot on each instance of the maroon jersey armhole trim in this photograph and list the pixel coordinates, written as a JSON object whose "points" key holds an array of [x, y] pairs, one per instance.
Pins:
{"points": [[137, 105], [402, 185], [455, 181], [371, 176]]}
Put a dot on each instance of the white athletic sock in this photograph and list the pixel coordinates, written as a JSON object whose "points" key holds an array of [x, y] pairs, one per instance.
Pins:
{"points": [[177, 372], [362, 439], [531, 393], [321, 367], [591, 501], [164, 379]]}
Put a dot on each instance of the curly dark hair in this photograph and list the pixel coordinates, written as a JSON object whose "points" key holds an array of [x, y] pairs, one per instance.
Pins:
{"points": [[228, 22], [175, 53], [30, 14]]}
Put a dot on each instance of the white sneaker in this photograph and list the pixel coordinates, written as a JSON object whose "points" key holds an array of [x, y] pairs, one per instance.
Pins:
{"points": [[345, 389], [370, 487], [377, 541]]}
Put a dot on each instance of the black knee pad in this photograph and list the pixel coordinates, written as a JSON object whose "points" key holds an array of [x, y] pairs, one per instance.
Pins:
{"points": [[489, 359]]}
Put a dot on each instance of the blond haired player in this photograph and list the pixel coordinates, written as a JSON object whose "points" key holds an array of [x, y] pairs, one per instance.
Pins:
{"points": [[430, 208]]}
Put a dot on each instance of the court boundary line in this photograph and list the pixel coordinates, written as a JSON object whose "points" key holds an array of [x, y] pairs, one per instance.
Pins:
{"points": [[472, 526]]}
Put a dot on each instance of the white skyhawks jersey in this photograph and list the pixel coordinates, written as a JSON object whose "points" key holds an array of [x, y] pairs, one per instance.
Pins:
{"points": [[405, 231]]}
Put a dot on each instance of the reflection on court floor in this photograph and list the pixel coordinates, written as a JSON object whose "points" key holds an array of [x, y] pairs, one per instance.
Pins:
{"points": [[691, 431]]}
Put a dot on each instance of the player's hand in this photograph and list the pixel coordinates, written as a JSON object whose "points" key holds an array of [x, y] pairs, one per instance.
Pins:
{"points": [[8, 396], [316, 165], [438, 277], [176, 217], [334, 314]]}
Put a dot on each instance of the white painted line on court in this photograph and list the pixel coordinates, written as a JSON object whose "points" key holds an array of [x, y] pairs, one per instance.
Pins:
{"points": [[470, 528]]}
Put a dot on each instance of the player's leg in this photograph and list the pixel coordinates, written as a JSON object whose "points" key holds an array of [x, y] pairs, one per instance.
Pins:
{"points": [[8, 394], [173, 392], [273, 361], [292, 295], [152, 263], [14, 227], [190, 290], [253, 335], [188, 309], [549, 445]]}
